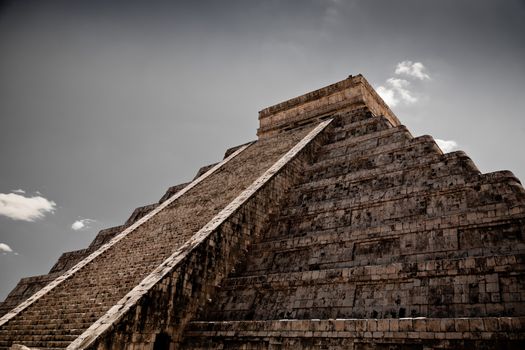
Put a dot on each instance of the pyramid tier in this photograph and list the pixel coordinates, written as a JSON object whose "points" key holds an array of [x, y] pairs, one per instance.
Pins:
{"points": [[384, 225]]}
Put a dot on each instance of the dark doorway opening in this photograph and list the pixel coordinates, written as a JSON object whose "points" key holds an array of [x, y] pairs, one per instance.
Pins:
{"points": [[162, 342]]}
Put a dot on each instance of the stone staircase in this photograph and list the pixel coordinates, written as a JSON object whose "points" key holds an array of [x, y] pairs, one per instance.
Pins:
{"points": [[381, 227], [65, 311], [28, 286]]}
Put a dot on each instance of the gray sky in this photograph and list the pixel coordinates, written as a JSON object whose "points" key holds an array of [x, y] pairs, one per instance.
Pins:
{"points": [[105, 104]]}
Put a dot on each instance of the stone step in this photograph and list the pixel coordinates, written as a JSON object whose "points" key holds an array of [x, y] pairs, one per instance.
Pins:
{"points": [[69, 334], [392, 215], [421, 153], [70, 310], [438, 163], [66, 328], [53, 322], [387, 176], [334, 250], [389, 271], [405, 333], [418, 174], [402, 183], [345, 123], [348, 117], [369, 140], [38, 344], [354, 115], [465, 287], [376, 143], [358, 128], [432, 177], [343, 234], [422, 146], [41, 338], [291, 227]]}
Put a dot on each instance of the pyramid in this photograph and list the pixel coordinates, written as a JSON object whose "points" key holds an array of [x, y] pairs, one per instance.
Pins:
{"points": [[335, 229]]}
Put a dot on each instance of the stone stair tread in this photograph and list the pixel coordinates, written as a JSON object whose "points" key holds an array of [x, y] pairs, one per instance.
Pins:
{"points": [[440, 187], [422, 266], [381, 170], [421, 144], [358, 141]]}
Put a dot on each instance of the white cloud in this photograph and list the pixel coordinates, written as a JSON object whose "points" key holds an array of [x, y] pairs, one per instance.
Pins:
{"points": [[81, 224], [413, 69], [21, 191], [78, 225], [18, 207], [396, 91], [447, 145], [388, 95], [401, 87], [4, 248]]}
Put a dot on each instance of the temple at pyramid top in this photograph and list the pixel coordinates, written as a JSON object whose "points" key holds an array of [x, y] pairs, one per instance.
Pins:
{"points": [[352, 93], [335, 229]]}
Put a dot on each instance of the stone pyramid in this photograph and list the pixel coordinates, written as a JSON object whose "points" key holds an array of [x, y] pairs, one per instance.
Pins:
{"points": [[336, 229]]}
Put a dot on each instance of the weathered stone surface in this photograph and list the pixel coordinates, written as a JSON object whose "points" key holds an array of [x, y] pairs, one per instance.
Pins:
{"points": [[354, 334], [351, 93], [336, 229]]}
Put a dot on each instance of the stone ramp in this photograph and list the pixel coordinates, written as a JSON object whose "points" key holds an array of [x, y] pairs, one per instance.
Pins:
{"points": [[381, 226], [59, 313]]}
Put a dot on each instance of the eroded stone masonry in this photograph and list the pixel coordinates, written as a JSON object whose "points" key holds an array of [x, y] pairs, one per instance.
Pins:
{"points": [[335, 229]]}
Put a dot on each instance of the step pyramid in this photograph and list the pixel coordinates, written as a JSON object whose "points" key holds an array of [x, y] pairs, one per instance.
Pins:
{"points": [[336, 229]]}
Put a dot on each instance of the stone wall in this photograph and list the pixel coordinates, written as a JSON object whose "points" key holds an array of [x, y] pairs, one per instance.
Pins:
{"points": [[360, 334], [349, 94]]}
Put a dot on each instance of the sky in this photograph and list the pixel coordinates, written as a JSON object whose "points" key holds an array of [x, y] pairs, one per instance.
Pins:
{"points": [[104, 104]]}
